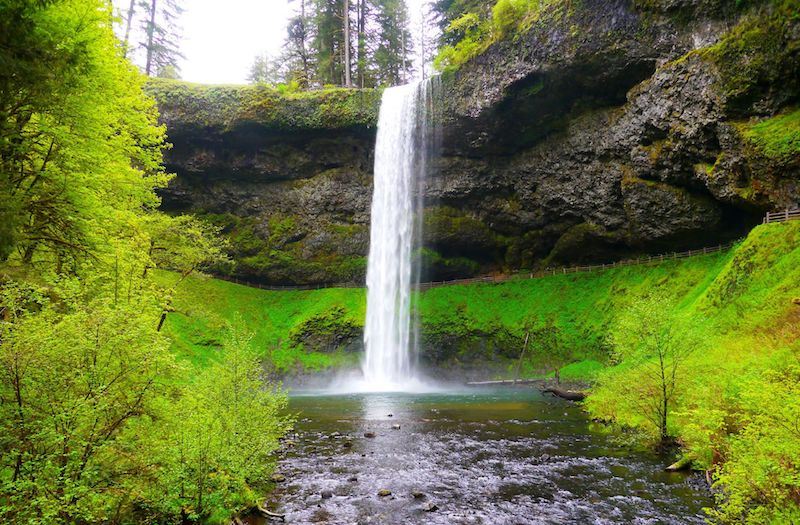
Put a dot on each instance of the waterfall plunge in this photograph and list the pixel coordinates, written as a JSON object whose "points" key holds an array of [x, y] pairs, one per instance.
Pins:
{"points": [[401, 152]]}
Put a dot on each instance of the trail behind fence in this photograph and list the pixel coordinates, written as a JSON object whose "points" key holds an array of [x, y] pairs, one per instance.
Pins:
{"points": [[779, 216]]}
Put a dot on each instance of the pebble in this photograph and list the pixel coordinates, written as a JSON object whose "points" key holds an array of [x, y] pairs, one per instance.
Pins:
{"points": [[369, 434], [417, 494], [384, 492], [396, 427], [327, 494], [278, 478]]}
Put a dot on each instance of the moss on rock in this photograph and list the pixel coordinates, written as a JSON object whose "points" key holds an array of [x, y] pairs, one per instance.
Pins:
{"points": [[227, 106]]}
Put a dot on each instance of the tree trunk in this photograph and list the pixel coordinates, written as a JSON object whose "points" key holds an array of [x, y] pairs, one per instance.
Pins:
{"points": [[346, 27], [362, 44], [303, 53], [128, 22], [151, 31]]}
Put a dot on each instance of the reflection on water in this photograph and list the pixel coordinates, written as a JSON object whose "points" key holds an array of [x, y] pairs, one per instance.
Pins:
{"points": [[487, 457]]}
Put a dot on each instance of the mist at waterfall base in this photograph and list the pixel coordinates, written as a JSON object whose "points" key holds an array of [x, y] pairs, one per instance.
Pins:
{"points": [[402, 149]]}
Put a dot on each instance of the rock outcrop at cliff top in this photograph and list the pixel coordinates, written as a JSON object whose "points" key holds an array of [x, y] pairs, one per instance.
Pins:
{"points": [[605, 130], [286, 176]]}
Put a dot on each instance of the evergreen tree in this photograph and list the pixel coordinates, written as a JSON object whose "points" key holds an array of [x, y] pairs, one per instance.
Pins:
{"points": [[162, 35], [392, 56], [365, 43]]}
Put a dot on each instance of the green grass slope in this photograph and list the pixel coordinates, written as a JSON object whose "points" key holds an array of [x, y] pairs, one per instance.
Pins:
{"points": [[744, 294]]}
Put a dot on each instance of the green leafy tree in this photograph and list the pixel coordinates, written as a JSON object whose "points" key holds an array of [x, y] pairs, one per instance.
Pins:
{"points": [[80, 151], [76, 367], [220, 457], [654, 342]]}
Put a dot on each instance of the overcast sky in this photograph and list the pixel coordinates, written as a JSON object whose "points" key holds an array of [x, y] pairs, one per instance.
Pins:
{"points": [[220, 38]]}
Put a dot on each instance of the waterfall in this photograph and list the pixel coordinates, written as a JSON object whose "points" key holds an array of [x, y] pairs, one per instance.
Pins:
{"points": [[401, 153]]}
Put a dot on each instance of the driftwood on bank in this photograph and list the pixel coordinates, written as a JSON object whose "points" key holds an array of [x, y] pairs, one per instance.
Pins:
{"points": [[564, 394], [505, 382], [269, 514]]}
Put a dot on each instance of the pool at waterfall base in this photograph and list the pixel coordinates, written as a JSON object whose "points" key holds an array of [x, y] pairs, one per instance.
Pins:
{"points": [[482, 456]]}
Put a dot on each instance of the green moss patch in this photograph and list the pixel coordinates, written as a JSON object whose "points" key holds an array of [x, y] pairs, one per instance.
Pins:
{"points": [[778, 137], [226, 106]]}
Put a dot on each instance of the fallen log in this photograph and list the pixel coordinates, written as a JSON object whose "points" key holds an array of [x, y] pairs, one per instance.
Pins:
{"points": [[684, 463], [564, 394], [269, 514], [504, 382]]}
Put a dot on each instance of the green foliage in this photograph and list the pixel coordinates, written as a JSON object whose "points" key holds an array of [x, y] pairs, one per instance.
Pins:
{"points": [[651, 342], [216, 453], [475, 38], [89, 391], [227, 106], [472, 33], [735, 404], [508, 15], [204, 307], [79, 146], [74, 372], [761, 483], [777, 137]]}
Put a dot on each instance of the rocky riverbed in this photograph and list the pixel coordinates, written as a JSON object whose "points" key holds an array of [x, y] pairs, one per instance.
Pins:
{"points": [[487, 456]]}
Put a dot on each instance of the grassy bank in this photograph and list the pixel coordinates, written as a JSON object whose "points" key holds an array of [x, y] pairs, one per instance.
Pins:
{"points": [[565, 317]]}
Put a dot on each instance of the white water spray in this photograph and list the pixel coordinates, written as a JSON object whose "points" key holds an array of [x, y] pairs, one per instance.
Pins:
{"points": [[401, 151]]}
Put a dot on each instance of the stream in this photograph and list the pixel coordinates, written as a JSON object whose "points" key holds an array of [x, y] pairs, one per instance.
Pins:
{"points": [[494, 456]]}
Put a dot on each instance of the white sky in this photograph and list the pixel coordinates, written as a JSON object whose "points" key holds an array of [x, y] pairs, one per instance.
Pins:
{"points": [[221, 37]]}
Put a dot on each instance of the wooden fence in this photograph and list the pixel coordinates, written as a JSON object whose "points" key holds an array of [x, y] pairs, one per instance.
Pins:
{"points": [[497, 278], [778, 216], [781, 216], [581, 269]]}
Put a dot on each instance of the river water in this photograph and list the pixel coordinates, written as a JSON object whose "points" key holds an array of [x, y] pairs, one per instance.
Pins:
{"points": [[511, 456]]}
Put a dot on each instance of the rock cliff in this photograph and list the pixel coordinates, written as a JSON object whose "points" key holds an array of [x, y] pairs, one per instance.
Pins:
{"points": [[606, 129]]}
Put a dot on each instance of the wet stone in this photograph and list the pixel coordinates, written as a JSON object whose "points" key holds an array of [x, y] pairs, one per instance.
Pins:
{"points": [[395, 427], [417, 495], [369, 434], [352, 479], [431, 508], [278, 478], [327, 494], [384, 492]]}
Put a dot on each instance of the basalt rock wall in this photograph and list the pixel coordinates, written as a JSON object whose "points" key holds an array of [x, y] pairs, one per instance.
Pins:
{"points": [[605, 130]]}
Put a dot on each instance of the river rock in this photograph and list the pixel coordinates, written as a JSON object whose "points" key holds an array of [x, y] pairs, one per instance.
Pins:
{"points": [[384, 492], [327, 494], [278, 478], [369, 434], [395, 427], [431, 508], [417, 495]]}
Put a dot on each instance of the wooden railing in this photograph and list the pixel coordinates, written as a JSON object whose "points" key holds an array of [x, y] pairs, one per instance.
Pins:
{"points": [[781, 216], [778, 216], [497, 278], [547, 272]]}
